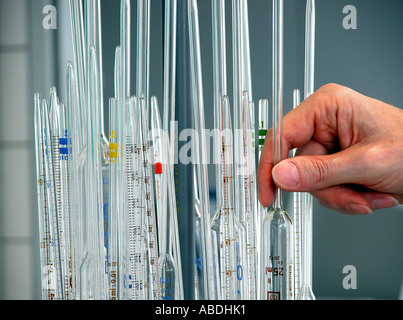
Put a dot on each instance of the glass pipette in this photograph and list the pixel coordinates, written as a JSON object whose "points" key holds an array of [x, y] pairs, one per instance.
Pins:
{"points": [[263, 129], [170, 56], [77, 154], [245, 51], [170, 40], [223, 223], [112, 226], [220, 83], [77, 86], [136, 204], [174, 222], [248, 199], [170, 261], [55, 280], [125, 46], [238, 86], [143, 50], [297, 220], [166, 260], [220, 90], [120, 135], [60, 192], [169, 109], [80, 61], [169, 95], [154, 286], [46, 252], [201, 148], [237, 95], [94, 38], [123, 132], [94, 278], [116, 263], [306, 292], [159, 178], [128, 213], [310, 48], [243, 85], [61, 144], [277, 233]]}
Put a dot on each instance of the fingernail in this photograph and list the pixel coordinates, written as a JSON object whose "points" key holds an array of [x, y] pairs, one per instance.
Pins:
{"points": [[286, 175], [384, 203], [358, 209]]}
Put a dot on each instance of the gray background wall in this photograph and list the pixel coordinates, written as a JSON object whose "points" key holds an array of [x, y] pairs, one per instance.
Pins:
{"points": [[368, 60]]}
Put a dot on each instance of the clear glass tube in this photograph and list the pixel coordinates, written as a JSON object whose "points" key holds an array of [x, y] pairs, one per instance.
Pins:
{"points": [[80, 61], [161, 164], [237, 96], [55, 283], [223, 222], [55, 127], [125, 46], [247, 97], [170, 41], [242, 89], [154, 285], [245, 51], [94, 39], [309, 77], [112, 223], [132, 227], [94, 279], [306, 292], [201, 148], [136, 212], [220, 84], [263, 123], [117, 73], [176, 248], [65, 213], [143, 50], [236, 66], [77, 154], [297, 220], [170, 56], [220, 90], [46, 253], [124, 135], [277, 282], [249, 197], [263, 129]]}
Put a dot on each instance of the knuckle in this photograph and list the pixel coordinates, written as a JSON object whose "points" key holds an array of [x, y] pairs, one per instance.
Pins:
{"points": [[332, 92], [320, 172], [331, 88]]}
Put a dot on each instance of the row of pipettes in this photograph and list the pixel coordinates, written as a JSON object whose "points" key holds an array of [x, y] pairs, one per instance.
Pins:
{"points": [[99, 194], [107, 207]]}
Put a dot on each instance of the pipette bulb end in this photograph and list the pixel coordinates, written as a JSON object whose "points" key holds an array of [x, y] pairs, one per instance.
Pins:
{"points": [[306, 293]]}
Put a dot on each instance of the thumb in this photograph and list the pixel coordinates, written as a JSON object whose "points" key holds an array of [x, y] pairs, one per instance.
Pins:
{"points": [[310, 173]]}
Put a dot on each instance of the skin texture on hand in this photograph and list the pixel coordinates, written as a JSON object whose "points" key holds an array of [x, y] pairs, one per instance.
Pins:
{"points": [[350, 152]]}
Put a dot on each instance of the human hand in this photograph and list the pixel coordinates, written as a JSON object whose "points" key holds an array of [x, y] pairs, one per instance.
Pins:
{"points": [[350, 152]]}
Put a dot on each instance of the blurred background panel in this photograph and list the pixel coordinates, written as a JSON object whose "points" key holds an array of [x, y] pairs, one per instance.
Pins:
{"points": [[368, 59]]}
